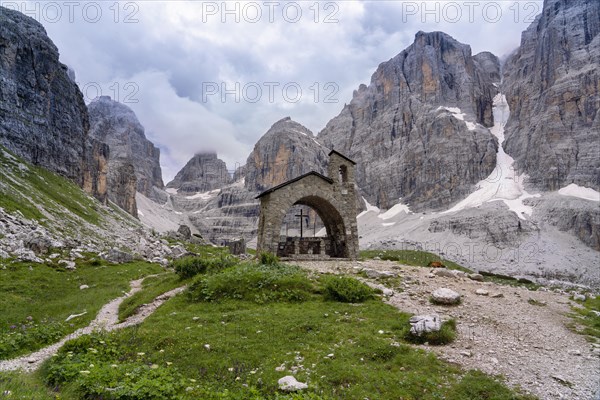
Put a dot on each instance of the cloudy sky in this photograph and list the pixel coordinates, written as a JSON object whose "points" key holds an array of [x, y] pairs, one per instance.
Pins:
{"points": [[215, 75]]}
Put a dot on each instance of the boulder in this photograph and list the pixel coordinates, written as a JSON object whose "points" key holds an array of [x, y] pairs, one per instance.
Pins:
{"points": [[476, 277], [443, 272], [117, 256], [374, 274], [27, 255], [178, 251], [445, 296], [185, 232], [39, 244], [290, 384], [69, 265], [421, 324]]}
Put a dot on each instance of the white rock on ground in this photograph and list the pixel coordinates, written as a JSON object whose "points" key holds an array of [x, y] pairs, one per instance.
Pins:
{"points": [[445, 296], [290, 384], [421, 324]]}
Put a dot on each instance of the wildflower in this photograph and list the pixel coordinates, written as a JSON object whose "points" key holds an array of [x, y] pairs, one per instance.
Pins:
{"points": [[141, 354], [153, 366], [192, 380], [169, 363], [113, 365], [84, 372]]}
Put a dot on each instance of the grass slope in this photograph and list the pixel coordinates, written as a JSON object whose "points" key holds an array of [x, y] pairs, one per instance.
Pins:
{"points": [[54, 201], [232, 340], [37, 298]]}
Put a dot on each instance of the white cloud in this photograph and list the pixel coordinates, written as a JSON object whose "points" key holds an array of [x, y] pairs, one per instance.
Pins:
{"points": [[177, 48]]}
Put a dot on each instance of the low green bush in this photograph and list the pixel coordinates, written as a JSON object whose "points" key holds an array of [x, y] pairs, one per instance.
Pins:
{"points": [[188, 267], [267, 258], [253, 282], [445, 335], [346, 289]]}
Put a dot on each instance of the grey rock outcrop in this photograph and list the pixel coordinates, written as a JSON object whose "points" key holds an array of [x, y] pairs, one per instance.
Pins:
{"points": [[552, 84], [131, 153], [421, 324], [489, 225], [43, 117], [122, 182], [576, 216], [204, 172], [230, 214], [445, 296], [418, 131], [285, 152]]}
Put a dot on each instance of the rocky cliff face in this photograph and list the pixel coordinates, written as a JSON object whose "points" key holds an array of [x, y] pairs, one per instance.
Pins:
{"points": [[204, 172], [117, 126], [552, 84], [418, 131], [286, 151], [43, 117]]}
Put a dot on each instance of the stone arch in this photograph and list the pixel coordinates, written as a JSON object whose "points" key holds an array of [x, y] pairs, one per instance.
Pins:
{"points": [[333, 199], [335, 225]]}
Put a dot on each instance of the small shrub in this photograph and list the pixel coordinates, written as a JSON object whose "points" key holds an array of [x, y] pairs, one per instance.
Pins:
{"points": [[252, 282], [267, 258], [188, 267], [346, 289], [445, 335], [95, 262]]}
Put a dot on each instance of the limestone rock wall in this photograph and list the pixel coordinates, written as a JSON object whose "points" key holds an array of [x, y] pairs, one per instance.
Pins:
{"points": [[117, 126], [43, 117], [552, 84], [418, 131]]}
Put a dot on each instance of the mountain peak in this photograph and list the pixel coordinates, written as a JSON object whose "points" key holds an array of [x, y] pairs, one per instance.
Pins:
{"points": [[202, 173]]}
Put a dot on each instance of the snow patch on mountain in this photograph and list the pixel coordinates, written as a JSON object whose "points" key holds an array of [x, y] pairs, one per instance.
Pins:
{"points": [[504, 183], [458, 114], [582, 192]]}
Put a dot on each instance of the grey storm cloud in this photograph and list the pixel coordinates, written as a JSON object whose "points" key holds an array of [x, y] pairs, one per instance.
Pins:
{"points": [[199, 80]]}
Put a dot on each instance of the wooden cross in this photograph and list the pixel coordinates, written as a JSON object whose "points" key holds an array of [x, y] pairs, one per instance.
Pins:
{"points": [[301, 215]]}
